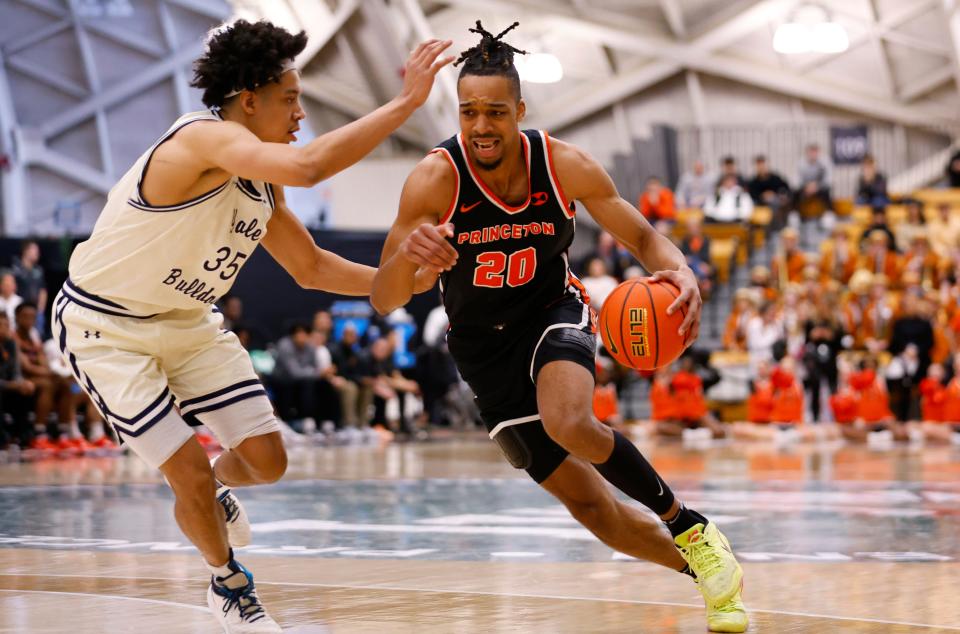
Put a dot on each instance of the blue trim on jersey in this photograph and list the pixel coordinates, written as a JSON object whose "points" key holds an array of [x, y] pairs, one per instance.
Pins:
{"points": [[192, 419], [185, 205], [248, 188], [79, 291], [272, 200], [85, 382], [99, 309], [226, 390]]}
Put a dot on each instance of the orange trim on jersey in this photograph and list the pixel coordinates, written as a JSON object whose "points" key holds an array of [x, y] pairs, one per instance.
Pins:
{"points": [[570, 213], [574, 281], [456, 195], [492, 197]]}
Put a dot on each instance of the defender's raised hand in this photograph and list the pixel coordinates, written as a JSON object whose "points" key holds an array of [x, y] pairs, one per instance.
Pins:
{"points": [[421, 67]]}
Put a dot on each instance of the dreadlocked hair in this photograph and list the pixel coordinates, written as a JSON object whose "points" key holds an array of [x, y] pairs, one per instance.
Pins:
{"points": [[243, 56], [492, 56]]}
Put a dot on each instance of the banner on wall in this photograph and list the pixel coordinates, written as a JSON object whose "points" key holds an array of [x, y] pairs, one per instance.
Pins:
{"points": [[848, 144]]}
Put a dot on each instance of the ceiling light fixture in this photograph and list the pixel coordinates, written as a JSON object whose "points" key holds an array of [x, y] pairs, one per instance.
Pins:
{"points": [[810, 29], [539, 68]]}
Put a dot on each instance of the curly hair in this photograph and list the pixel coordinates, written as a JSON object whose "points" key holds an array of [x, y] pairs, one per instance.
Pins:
{"points": [[243, 56], [491, 56]]}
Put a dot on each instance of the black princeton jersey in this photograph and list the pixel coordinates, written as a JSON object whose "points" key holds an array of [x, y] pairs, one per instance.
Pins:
{"points": [[512, 260]]}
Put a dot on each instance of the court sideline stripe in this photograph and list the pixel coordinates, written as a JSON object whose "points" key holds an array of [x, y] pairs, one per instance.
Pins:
{"points": [[105, 596], [482, 593]]}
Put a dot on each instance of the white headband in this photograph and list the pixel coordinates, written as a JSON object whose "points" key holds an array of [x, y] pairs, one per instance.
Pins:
{"points": [[288, 66]]}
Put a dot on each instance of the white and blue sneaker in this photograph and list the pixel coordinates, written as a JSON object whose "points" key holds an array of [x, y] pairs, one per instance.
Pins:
{"points": [[236, 606]]}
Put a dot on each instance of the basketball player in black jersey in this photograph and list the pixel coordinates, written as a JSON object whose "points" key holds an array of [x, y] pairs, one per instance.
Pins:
{"points": [[491, 212]]}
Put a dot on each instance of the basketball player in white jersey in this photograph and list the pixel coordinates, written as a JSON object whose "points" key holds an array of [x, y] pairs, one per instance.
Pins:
{"points": [[136, 319]]}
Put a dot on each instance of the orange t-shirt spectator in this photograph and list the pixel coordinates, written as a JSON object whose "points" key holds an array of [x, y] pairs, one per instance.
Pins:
{"points": [[605, 402], [933, 397], [787, 397], [662, 405], [657, 202], [874, 402], [688, 397], [760, 402]]}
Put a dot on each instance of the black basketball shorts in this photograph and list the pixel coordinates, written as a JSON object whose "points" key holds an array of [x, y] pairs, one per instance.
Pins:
{"points": [[501, 365]]}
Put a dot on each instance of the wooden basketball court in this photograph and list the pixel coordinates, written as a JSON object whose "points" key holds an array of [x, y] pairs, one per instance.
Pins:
{"points": [[445, 537]]}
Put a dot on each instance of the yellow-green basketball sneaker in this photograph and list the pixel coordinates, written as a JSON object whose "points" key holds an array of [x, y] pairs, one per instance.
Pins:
{"points": [[730, 616], [710, 557]]}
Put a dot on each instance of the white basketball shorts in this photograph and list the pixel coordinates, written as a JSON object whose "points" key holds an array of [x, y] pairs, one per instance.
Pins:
{"points": [[154, 376]]}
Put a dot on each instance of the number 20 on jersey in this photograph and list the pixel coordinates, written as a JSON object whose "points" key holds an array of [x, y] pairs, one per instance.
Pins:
{"points": [[494, 268]]}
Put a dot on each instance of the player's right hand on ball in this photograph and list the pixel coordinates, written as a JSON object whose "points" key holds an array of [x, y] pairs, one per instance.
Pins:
{"points": [[421, 67], [427, 247]]}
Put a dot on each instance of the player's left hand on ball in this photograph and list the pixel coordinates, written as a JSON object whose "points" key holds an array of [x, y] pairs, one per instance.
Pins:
{"points": [[686, 281], [427, 247]]}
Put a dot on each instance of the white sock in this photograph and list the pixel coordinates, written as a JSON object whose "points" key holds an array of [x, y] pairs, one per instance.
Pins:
{"points": [[221, 487]]}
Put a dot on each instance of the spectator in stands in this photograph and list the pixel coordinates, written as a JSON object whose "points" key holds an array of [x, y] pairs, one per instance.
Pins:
{"points": [[788, 264], [903, 375], [920, 259], [346, 355], [787, 394], [730, 203], [933, 394], [331, 386], [9, 300], [16, 392], [297, 376], [953, 170], [598, 282], [872, 185], [760, 401], [657, 204], [944, 231], [873, 404], [52, 390], [231, 306], [824, 337], [695, 187], [323, 322], [31, 283], [838, 258], [616, 258], [763, 332], [761, 284], [881, 312], [696, 247], [744, 309], [605, 405], [915, 224], [728, 167], [767, 187], [814, 178], [878, 222], [913, 327], [386, 384], [879, 258], [688, 409]]}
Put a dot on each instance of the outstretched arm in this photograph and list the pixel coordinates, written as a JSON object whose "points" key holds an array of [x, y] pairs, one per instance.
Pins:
{"points": [[415, 240], [292, 246], [229, 146], [583, 178]]}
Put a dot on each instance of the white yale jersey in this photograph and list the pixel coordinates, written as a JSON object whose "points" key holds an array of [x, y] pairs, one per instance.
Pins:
{"points": [[144, 259]]}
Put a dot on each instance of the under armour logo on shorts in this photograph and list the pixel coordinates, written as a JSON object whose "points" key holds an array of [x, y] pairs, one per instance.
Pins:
{"points": [[87, 334]]}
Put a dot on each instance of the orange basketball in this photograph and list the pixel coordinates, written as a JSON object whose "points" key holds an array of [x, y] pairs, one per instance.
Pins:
{"points": [[635, 326]]}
